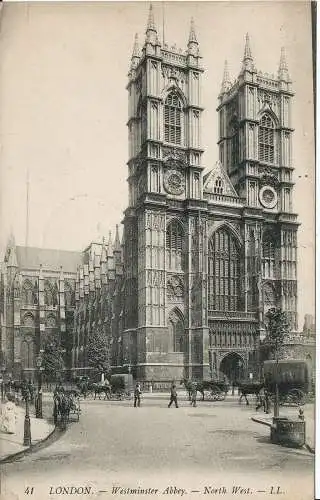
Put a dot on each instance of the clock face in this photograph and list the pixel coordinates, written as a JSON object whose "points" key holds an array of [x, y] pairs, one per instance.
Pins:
{"points": [[268, 197], [173, 182]]}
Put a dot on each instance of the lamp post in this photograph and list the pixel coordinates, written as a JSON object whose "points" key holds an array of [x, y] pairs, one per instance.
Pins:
{"points": [[27, 426], [39, 395]]}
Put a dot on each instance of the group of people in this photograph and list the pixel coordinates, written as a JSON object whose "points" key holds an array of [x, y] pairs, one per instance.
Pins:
{"points": [[173, 396]]}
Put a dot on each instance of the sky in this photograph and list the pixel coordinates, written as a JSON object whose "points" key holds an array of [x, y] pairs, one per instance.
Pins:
{"points": [[63, 109]]}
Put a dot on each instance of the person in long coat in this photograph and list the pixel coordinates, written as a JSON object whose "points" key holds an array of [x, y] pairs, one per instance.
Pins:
{"points": [[9, 416]]}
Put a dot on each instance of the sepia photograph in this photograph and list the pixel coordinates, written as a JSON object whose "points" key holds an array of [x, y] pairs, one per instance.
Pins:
{"points": [[157, 250]]}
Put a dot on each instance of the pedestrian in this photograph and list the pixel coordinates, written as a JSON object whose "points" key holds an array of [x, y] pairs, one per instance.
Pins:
{"points": [[263, 400], [137, 395], [173, 396], [194, 395], [9, 416], [31, 390]]}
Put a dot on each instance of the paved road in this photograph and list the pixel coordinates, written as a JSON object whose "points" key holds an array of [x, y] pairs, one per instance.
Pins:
{"points": [[206, 451]]}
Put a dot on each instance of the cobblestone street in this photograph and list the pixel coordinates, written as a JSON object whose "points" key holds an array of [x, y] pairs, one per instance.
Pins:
{"points": [[212, 449]]}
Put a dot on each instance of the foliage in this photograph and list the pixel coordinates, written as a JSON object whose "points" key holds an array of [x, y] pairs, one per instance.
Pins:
{"points": [[277, 328], [52, 359], [98, 352]]}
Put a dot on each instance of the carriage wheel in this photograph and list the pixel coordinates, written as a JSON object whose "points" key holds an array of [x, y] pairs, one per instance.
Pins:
{"points": [[296, 396]]}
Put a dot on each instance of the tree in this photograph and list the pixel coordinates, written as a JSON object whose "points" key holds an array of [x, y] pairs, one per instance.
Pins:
{"points": [[98, 352], [277, 329], [52, 359]]}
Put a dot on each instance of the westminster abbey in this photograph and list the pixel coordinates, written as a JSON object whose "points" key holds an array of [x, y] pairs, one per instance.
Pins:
{"points": [[203, 256]]}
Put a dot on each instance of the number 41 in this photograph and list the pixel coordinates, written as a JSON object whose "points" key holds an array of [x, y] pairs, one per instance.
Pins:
{"points": [[29, 490]]}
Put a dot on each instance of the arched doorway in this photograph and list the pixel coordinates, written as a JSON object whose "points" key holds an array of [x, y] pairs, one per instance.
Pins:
{"points": [[233, 367]]}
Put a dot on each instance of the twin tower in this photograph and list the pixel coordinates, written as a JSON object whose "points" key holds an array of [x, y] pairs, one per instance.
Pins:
{"points": [[205, 255]]}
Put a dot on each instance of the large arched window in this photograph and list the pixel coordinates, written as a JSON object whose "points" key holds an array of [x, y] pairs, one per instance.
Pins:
{"points": [[266, 139], [173, 119], [27, 293], [224, 272], [268, 254], [174, 245]]}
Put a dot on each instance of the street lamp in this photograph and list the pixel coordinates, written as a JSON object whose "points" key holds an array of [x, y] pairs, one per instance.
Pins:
{"points": [[39, 395], [27, 426]]}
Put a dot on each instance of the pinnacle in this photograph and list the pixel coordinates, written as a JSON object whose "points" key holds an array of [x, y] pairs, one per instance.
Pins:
{"points": [[135, 51], [192, 34], [283, 61], [117, 246], [150, 24], [226, 78], [247, 49]]}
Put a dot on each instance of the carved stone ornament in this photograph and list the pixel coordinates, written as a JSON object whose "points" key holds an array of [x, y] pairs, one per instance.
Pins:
{"points": [[174, 182], [268, 197], [175, 287]]}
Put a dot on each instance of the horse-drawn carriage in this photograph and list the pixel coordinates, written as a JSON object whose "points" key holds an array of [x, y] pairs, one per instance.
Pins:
{"points": [[212, 390], [120, 387], [290, 375], [65, 404]]}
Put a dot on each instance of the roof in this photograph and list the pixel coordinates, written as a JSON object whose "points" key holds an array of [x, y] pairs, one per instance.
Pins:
{"points": [[32, 257]]}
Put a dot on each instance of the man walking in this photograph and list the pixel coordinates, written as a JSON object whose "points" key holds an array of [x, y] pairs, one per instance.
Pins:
{"points": [[173, 396], [194, 395], [137, 395]]}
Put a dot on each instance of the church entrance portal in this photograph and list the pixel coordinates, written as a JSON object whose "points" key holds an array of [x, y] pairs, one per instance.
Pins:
{"points": [[232, 366]]}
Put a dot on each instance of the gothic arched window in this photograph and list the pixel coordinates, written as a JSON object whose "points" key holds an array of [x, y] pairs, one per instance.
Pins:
{"points": [[27, 293], [174, 245], [223, 272], [266, 139], [218, 186], [268, 254], [177, 333], [173, 119]]}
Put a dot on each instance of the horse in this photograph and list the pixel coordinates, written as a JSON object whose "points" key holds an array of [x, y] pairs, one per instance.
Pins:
{"points": [[102, 387], [204, 385], [62, 405], [249, 388]]}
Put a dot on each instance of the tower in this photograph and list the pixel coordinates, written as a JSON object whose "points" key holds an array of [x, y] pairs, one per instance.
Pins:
{"points": [[164, 229], [255, 148]]}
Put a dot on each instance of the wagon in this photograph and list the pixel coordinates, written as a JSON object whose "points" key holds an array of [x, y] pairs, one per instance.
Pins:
{"points": [[121, 386], [293, 380]]}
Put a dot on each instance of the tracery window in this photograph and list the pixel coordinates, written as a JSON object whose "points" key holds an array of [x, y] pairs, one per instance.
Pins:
{"points": [[268, 254], [266, 139], [223, 272], [174, 245], [27, 293], [173, 119]]}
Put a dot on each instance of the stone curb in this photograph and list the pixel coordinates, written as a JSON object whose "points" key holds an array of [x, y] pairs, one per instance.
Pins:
{"points": [[269, 424], [56, 432]]}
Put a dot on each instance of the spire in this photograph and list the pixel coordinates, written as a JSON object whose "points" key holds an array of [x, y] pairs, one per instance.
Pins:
{"points": [[247, 61], [283, 73], [226, 82], [116, 245], [151, 31], [150, 24], [135, 58], [247, 48], [192, 34], [110, 253], [193, 46]]}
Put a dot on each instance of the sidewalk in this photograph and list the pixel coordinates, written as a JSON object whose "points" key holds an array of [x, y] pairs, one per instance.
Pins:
{"points": [[292, 412], [10, 444]]}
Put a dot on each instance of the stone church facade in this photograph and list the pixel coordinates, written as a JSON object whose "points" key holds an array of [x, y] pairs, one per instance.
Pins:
{"points": [[203, 255]]}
